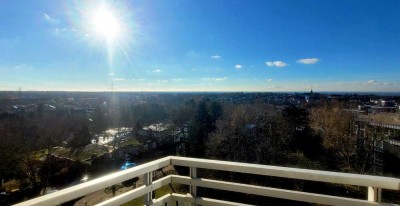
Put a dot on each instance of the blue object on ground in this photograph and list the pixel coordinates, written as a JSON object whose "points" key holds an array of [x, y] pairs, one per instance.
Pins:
{"points": [[127, 165]]}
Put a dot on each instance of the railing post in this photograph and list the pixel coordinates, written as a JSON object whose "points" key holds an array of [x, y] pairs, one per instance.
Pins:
{"points": [[374, 194], [148, 180], [171, 202], [193, 174]]}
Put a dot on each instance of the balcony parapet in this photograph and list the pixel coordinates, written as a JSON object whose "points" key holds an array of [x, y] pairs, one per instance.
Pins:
{"points": [[375, 184]]}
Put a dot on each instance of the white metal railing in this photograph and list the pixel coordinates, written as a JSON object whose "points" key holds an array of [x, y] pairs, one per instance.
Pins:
{"points": [[375, 184]]}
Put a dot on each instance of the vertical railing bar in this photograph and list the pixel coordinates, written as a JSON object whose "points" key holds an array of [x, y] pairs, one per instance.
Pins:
{"points": [[193, 174], [374, 194], [148, 180]]}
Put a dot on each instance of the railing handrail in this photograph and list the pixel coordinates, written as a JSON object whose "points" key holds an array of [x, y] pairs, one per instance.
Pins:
{"points": [[374, 183], [91, 186], [290, 172]]}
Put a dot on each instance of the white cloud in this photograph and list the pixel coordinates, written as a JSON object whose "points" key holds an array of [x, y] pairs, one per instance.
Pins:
{"points": [[57, 30], [177, 80], [311, 87], [220, 79], [111, 74], [119, 79], [50, 19], [156, 70], [23, 67], [276, 64], [275, 87], [308, 61], [216, 78], [238, 66], [215, 57], [388, 83], [372, 82], [269, 80]]}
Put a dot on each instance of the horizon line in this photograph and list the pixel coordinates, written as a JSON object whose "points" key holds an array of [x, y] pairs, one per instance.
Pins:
{"points": [[196, 91]]}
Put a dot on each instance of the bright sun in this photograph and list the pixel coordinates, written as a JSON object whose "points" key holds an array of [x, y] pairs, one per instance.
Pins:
{"points": [[105, 23]]}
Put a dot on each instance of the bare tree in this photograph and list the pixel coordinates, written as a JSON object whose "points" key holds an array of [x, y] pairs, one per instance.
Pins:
{"points": [[336, 126]]}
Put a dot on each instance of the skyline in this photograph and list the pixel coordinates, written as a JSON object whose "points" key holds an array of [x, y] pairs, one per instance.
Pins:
{"points": [[269, 46]]}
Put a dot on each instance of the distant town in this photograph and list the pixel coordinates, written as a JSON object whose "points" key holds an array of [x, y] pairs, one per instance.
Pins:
{"points": [[53, 140]]}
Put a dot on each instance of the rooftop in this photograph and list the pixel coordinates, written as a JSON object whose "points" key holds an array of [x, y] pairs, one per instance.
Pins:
{"points": [[382, 118]]}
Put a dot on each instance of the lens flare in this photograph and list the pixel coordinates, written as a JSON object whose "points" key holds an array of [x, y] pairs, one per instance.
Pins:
{"points": [[105, 23], [110, 28]]}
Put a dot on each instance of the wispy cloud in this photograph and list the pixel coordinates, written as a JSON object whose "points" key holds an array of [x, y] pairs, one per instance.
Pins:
{"points": [[389, 83], [177, 80], [50, 19], [23, 67], [269, 80], [314, 86], [308, 61], [215, 57], [238, 66], [141, 79], [157, 82], [119, 79], [372, 82], [57, 31], [215, 78], [157, 71], [111, 74], [275, 87], [276, 64]]}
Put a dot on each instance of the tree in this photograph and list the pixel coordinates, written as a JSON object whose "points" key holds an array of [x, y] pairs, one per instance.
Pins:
{"points": [[10, 135], [81, 138], [248, 133], [137, 127], [369, 138], [336, 127], [100, 120], [215, 111], [295, 125], [199, 128]]}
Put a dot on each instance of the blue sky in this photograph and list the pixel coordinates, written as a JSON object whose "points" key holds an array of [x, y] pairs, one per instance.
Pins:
{"points": [[201, 45]]}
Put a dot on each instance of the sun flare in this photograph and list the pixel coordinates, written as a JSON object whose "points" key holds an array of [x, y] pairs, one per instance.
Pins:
{"points": [[105, 23]]}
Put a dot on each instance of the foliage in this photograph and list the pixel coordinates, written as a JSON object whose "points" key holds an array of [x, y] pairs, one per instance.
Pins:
{"points": [[11, 185], [80, 138], [201, 125], [248, 133], [336, 127]]}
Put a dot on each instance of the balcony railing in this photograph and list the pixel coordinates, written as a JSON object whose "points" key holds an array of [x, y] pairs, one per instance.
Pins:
{"points": [[375, 184]]}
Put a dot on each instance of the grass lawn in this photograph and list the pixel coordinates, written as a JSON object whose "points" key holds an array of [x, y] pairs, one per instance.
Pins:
{"points": [[130, 142], [159, 193]]}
